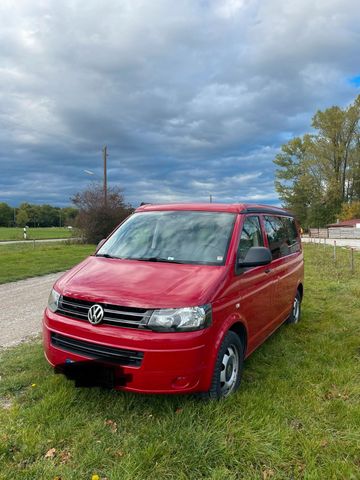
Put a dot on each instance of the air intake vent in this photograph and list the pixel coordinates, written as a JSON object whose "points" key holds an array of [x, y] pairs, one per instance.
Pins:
{"points": [[119, 356]]}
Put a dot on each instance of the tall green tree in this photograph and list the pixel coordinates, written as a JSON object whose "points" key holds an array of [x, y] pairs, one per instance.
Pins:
{"points": [[22, 218], [69, 215], [6, 215], [48, 216], [317, 173], [29, 212]]}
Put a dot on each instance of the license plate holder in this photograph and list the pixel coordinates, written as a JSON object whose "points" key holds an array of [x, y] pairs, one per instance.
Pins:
{"points": [[88, 374]]}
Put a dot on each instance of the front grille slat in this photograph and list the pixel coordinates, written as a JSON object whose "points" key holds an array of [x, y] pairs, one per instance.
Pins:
{"points": [[119, 316], [65, 310], [119, 356], [75, 305], [121, 321], [121, 312]]}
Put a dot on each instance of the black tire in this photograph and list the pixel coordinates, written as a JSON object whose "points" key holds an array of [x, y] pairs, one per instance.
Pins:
{"points": [[228, 371], [295, 314]]}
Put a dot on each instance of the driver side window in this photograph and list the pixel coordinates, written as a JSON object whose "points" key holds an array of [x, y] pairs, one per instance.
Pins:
{"points": [[251, 236]]}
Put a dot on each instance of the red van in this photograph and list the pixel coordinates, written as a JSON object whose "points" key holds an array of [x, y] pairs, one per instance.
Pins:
{"points": [[177, 297]]}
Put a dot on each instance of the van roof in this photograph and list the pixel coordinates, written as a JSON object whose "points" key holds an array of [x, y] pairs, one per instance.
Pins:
{"points": [[215, 207]]}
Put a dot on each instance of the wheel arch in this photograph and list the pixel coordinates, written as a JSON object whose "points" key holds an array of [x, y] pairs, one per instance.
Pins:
{"points": [[241, 331]]}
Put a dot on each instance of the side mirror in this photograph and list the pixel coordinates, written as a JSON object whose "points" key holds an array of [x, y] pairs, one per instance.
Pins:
{"points": [[255, 257], [100, 244]]}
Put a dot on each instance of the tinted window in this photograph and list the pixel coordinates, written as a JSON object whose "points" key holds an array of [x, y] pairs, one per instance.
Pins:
{"points": [[282, 236], [251, 236], [173, 236]]}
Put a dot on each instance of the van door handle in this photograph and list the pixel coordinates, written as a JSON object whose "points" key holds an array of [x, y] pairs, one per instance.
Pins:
{"points": [[268, 270]]}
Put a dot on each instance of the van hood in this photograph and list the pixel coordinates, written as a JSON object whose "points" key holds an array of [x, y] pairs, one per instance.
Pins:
{"points": [[142, 284]]}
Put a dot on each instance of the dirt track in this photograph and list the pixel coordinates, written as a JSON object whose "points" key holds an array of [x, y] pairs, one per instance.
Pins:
{"points": [[21, 306]]}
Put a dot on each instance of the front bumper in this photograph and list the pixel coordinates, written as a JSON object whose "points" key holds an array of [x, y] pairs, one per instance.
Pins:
{"points": [[171, 362]]}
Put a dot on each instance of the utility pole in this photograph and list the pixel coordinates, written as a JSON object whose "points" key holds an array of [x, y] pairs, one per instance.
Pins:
{"points": [[210, 198], [105, 155]]}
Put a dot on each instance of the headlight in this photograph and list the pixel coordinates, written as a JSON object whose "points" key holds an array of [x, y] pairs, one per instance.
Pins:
{"points": [[180, 319], [53, 301]]}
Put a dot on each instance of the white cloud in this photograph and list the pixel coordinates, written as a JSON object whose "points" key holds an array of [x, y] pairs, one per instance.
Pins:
{"points": [[228, 8], [186, 94]]}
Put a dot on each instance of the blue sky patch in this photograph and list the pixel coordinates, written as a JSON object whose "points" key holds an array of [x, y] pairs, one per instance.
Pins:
{"points": [[355, 80]]}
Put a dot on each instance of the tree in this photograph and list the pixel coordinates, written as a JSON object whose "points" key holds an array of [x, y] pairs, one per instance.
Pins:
{"points": [[6, 215], [22, 218], [47, 215], [318, 173], [69, 215], [350, 211], [29, 212], [37, 215], [95, 219]]}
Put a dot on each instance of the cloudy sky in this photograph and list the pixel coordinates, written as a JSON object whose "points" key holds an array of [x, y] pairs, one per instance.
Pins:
{"points": [[191, 96]]}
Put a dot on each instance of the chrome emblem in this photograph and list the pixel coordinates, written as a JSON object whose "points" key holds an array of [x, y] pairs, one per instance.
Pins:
{"points": [[95, 314]]}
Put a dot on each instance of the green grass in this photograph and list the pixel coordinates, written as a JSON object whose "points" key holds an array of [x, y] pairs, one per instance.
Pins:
{"points": [[296, 416], [25, 260], [35, 233]]}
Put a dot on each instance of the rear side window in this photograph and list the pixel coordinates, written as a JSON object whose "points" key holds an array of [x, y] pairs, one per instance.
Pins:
{"points": [[251, 236], [282, 236]]}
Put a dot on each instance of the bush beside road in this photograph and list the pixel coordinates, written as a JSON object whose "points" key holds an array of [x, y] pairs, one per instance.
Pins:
{"points": [[295, 416]]}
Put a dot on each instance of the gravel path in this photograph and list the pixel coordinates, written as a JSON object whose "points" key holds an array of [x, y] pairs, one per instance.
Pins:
{"points": [[21, 306]]}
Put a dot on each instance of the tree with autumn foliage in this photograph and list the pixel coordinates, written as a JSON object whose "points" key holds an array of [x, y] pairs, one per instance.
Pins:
{"points": [[350, 211], [317, 174]]}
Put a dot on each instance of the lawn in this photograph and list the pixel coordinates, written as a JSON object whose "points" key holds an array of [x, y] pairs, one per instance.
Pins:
{"points": [[296, 416], [26, 260], [35, 233]]}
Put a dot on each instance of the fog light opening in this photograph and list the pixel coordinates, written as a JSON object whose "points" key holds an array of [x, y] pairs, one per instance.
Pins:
{"points": [[181, 382]]}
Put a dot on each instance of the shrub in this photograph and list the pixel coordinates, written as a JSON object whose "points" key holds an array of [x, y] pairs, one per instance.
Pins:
{"points": [[96, 219]]}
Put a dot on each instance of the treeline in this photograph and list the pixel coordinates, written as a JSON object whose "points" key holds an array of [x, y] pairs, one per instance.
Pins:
{"points": [[36, 215], [318, 174]]}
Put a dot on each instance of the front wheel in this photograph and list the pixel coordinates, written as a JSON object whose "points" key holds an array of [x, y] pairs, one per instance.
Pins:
{"points": [[296, 309], [228, 368]]}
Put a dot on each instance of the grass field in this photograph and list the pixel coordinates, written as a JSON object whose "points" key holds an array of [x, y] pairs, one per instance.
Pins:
{"points": [[296, 416], [24, 260], [35, 233]]}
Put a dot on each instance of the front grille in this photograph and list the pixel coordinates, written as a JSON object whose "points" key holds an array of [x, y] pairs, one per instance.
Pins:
{"points": [[119, 356], [113, 314]]}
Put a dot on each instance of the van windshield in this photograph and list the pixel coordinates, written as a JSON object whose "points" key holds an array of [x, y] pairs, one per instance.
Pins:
{"points": [[172, 236]]}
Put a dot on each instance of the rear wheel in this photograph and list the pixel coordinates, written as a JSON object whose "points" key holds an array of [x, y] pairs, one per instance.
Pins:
{"points": [[228, 368], [295, 314]]}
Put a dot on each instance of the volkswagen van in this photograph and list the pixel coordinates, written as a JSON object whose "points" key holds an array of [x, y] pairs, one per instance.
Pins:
{"points": [[177, 297]]}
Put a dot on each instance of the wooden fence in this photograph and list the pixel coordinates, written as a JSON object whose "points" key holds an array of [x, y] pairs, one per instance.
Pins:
{"points": [[335, 232], [319, 233]]}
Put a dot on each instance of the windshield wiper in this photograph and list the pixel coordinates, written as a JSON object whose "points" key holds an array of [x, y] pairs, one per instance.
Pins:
{"points": [[105, 255], [156, 259]]}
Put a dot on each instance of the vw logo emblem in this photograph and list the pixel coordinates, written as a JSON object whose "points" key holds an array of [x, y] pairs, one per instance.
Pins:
{"points": [[95, 314]]}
